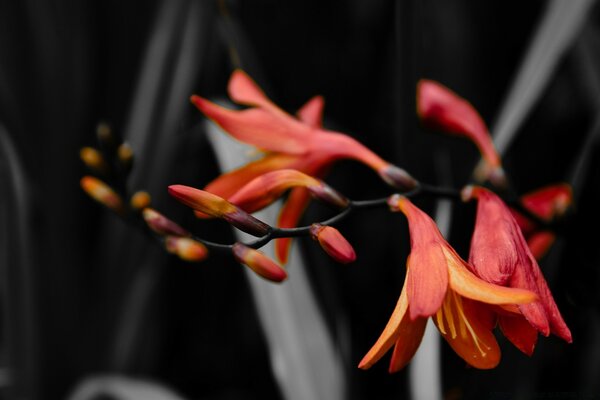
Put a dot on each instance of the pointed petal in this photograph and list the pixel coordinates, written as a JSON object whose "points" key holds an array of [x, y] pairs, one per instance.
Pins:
{"points": [[443, 109], [519, 332], [289, 216], [468, 285], [244, 90], [540, 242], [229, 183], [464, 324], [410, 335], [258, 127], [549, 201], [390, 333], [493, 255], [427, 280], [311, 113]]}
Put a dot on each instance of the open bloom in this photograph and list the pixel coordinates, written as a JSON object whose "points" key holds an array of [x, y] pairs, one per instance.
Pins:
{"points": [[499, 254], [290, 143], [439, 284], [546, 203], [441, 108]]}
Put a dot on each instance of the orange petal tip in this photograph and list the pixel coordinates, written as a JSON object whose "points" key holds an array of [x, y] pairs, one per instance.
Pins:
{"points": [[140, 200], [259, 263], [334, 244], [185, 248], [93, 159]]}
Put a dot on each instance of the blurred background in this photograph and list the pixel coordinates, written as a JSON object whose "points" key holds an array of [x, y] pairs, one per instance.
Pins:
{"points": [[92, 309]]}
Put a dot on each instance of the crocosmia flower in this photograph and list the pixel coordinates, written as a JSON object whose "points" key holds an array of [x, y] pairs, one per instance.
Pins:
{"points": [[546, 203], [289, 143], [499, 254], [440, 285], [333, 242], [441, 108]]}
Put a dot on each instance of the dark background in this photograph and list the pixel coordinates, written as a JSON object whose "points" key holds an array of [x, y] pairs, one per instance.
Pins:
{"points": [[82, 293]]}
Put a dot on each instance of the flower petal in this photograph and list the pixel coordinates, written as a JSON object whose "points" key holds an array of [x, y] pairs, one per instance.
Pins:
{"points": [[464, 324], [311, 113], [519, 332], [244, 90], [390, 333], [289, 216], [441, 108], [410, 334], [550, 201], [258, 127], [427, 280], [540, 242]]}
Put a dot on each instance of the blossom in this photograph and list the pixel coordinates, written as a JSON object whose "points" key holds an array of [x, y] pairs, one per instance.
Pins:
{"points": [[441, 108], [499, 254], [546, 203], [290, 143], [333, 242], [439, 284]]}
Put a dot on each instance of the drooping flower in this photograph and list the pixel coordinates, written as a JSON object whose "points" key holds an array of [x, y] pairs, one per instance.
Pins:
{"points": [[215, 206], [441, 108], [333, 242], [440, 285], [301, 144], [259, 263], [547, 204], [499, 254]]}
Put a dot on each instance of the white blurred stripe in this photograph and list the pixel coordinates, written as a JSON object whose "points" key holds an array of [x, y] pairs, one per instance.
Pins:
{"points": [[305, 361]]}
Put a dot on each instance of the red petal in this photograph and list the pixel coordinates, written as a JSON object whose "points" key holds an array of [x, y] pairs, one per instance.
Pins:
{"points": [[311, 113], [258, 127], [493, 254], [549, 201], [519, 332], [427, 280], [440, 107], [540, 242], [410, 334], [243, 90], [289, 216]]}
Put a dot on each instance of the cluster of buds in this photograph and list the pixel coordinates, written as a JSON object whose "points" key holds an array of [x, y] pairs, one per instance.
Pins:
{"points": [[500, 285]]}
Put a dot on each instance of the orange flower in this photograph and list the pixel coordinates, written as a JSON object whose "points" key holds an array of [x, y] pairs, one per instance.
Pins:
{"points": [[546, 203], [290, 143], [440, 285], [499, 254], [441, 108]]}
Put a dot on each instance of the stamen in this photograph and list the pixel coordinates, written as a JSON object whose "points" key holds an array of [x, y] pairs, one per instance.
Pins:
{"points": [[440, 321]]}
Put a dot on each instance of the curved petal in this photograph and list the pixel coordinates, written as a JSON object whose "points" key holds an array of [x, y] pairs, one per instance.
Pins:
{"points": [[468, 285], [244, 90], [410, 334], [519, 332], [549, 201], [540, 242], [427, 280], [465, 326], [257, 127], [289, 216], [311, 113], [390, 333]]}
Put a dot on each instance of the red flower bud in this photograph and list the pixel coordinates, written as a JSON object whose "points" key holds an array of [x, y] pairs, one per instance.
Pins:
{"points": [[334, 244], [161, 224], [259, 263]]}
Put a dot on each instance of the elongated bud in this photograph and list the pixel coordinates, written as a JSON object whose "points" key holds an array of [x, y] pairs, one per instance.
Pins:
{"points": [[140, 200], [102, 193], [259, 263], [218, 207], [329, 195], [398, 178], [334, 244], [125, 156], [93, 159], [185, 248], [161, 224]]}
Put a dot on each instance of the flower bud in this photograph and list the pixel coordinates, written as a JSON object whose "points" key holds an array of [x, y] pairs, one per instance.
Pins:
{"points": [[125, 156], [215, 206], [329, 195], [398, 178], [259, 263], [93, 159], [102, 193], [185, 248], [334, 244], [140, 200], [161, 224]]}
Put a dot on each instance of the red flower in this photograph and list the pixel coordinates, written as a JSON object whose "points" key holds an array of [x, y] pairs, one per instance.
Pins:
{"points": [[546, 203], [439, 284], [290, 143], [499, 254], [441, 108]]}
